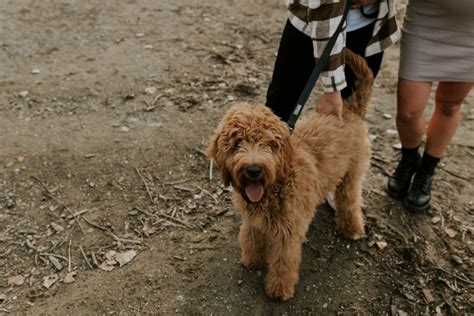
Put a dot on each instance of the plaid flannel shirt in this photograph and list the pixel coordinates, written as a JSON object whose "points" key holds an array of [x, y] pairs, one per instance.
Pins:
{"points": [[319, 20]]}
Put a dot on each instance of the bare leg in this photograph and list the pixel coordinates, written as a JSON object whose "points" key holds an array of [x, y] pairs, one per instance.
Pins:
{"points": [[446, 116], [412, 97], [252, 245]]}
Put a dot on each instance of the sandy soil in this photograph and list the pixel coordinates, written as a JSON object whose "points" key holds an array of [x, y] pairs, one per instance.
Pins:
{"points": [[105, 109]]}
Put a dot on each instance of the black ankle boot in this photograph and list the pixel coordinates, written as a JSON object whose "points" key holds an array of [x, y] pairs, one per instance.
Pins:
{"points": [[419, 196], [399, 182]]}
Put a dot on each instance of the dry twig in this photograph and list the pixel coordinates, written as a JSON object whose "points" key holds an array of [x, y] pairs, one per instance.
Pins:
{"points": [[51, 195], [146, 186], [454, 275], [85, 258]]}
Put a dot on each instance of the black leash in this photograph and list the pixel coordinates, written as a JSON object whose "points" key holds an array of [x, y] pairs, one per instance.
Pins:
{"points": [[317, 71]]}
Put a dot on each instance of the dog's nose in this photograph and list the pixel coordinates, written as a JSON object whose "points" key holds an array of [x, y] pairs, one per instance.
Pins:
{"points": [[254, 171]]}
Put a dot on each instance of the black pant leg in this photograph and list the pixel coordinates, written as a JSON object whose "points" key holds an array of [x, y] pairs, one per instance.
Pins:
{"points": [[357, 42], [293, 67], [295, 62]]}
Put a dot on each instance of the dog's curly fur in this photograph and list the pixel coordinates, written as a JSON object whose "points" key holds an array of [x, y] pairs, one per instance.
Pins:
{"points": [[279, 179]]}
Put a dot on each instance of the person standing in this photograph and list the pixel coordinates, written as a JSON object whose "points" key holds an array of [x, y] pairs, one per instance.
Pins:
{"points": [[370, 28], [437, 46]]}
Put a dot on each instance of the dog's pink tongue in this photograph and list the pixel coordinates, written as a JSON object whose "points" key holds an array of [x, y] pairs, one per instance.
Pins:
{"points": [[254, 192]]}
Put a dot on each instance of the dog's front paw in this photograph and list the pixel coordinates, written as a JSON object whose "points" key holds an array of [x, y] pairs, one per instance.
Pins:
{"points": [[251, 262], [353, 232], [350, 225], [279, 290]]}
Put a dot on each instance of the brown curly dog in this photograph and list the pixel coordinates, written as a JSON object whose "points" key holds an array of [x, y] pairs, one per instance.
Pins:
{"points": [[279, 179]]}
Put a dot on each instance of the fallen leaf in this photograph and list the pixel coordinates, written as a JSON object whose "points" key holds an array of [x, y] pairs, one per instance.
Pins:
{"points": [[381, 244], [16, 280], [69, 278], [148, 228], [125, 257], [49, 280], [110, 254], [428, 295], [451, 232], [105, 266], [55, 263]]}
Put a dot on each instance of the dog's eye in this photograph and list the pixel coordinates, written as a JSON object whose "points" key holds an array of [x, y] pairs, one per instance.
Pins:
{"points": [[238, 142], [274, 145]]}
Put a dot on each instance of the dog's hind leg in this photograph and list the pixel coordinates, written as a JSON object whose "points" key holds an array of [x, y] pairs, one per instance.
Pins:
{"points": [[283, 259], [348, 196], [252, 246]]}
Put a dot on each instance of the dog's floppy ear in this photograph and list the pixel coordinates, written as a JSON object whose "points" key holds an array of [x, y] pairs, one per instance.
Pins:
{"points": [[286, 149], [214, 153], [225, 176]]}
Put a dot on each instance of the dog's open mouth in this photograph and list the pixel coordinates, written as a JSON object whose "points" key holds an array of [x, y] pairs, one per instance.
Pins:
{"points": [[254, 191]]}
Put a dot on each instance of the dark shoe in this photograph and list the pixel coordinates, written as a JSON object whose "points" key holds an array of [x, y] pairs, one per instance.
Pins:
{"points": [[419, 196], [399, 182]]}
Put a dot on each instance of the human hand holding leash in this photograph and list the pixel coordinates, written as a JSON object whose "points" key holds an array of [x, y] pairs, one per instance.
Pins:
{"points": [[359, 3], [330, 103]]}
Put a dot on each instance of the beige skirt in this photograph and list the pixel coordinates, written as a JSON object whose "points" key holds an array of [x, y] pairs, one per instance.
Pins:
{"points": [[438, 41]]}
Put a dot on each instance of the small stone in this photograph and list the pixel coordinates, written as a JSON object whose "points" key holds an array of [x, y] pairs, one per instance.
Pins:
{"points": [[139, 35], [325, 305], [387, 116], [435, 219], [372, 137], [23, 93], [391, 131], [397, 146], [239, 282], [58, 228], [231, 98], [35, 71], [150, 90], [124, 129]]}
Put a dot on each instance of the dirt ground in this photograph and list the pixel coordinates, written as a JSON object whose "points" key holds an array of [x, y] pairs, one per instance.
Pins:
{"points": [[106, 204]]}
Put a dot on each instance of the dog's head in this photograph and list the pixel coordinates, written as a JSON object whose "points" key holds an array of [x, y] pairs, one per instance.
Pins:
{"points": [[252, 150]]}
